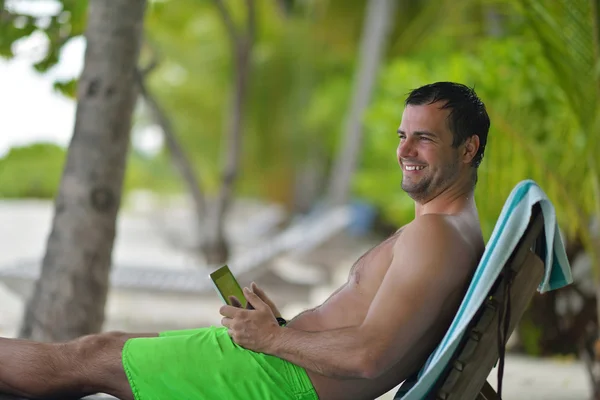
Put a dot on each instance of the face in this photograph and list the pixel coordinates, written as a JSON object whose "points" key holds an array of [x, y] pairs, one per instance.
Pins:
{"points": [[429, 162]]}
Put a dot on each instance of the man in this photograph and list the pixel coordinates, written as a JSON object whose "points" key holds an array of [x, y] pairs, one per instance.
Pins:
{"points": [[369, 336]]}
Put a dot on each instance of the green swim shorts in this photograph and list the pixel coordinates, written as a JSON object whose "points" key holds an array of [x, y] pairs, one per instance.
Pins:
{"points": [[206, 364]]}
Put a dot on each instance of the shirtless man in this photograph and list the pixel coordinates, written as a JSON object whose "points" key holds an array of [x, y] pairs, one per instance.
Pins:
{"points": [[369, 336]]}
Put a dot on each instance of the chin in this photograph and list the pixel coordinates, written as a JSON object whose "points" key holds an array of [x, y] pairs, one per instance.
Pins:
{"points": [[417, 192]]}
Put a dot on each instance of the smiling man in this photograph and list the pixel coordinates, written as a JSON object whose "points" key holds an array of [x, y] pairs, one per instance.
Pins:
{"points": [[370, 335]]}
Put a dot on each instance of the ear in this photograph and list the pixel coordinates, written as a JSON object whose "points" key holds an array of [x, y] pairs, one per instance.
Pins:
{"points": [[470, 148]]}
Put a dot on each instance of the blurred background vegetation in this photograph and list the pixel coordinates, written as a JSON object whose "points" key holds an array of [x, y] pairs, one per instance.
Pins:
{"points": [[301, 80], [533, 62]]}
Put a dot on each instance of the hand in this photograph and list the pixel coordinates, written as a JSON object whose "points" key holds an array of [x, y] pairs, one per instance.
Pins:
{"points": [[263, 296], [235, 302], [252, 329]]}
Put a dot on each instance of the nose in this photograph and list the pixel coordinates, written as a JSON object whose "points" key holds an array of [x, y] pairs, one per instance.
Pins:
{"points": [[407, 149]]}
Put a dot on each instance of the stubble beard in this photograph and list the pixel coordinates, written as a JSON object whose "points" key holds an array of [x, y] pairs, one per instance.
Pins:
{"points": [[429, 186], [419, 190]]}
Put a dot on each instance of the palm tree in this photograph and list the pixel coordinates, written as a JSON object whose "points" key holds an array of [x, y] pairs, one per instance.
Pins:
{"points": [[70, 295], [569, 34]]}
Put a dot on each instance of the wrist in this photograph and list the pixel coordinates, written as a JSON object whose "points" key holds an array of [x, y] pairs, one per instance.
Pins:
{"points": [[276, 344]]}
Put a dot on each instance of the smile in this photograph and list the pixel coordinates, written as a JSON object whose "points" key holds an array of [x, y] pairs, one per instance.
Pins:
{"points": [[413, 167]]}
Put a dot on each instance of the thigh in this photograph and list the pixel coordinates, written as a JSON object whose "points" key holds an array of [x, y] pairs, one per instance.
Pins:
{"points": [[204, 365]]}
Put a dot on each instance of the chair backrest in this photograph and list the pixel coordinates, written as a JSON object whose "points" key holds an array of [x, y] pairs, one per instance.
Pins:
{"points": [[484, 341]]}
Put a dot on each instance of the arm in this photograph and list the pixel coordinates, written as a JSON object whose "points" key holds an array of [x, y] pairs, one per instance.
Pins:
{"points": [[326, 352], [419, 280], [257, 330]]}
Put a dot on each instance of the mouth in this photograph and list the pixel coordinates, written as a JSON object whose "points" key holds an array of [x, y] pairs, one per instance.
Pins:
{"points": [[412, 167]]}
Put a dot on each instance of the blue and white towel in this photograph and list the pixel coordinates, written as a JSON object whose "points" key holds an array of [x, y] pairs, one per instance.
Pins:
{"points": [[509, 229]]}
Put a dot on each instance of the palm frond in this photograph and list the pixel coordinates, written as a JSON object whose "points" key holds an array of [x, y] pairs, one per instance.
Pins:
{"points": [[565, 31]]}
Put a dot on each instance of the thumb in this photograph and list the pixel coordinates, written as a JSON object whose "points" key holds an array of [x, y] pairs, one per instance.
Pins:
{"points": [[235, 302]]}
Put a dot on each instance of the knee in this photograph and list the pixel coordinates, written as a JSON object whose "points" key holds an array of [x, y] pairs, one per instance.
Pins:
{"points": [[98, 360], [93, 347]]}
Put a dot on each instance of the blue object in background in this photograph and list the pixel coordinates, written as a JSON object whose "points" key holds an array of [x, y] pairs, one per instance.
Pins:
{"points": [[363, 217]]}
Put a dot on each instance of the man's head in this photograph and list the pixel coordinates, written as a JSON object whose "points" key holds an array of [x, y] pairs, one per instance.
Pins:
{"points": [[442, 138]]}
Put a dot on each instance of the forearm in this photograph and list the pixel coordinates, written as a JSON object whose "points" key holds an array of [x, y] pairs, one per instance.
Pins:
{"points": [[335, 353]]}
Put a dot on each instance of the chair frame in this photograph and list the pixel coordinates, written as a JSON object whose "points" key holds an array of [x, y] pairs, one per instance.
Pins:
{"points": [[466, 374]]}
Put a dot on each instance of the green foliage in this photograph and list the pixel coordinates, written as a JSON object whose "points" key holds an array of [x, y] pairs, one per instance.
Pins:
{"points": [[537, 82], [13, 28], [67, 23], [526, 108], [297, 94], [67, 88], [151, 173], [32, 171], [569, 33], [59, 29], [193, 76], [529, 336]]}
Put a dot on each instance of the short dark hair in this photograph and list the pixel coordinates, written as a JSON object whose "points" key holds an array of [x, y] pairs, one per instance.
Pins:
{"points": [[468, 115]]}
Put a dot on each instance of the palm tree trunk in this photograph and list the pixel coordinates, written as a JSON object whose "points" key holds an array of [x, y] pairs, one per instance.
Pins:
{"points": [[70, 296], [376, 27]]}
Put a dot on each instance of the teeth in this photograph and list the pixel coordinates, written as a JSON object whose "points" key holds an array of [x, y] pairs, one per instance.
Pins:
{"points": [[413, 167]]}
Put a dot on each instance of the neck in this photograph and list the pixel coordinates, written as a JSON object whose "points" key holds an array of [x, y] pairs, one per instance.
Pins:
{"points": [[451, 200]]}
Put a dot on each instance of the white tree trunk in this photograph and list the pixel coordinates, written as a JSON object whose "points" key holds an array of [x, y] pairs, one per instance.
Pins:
{"points": [[70, 296], [216, 247], [376, 27]]}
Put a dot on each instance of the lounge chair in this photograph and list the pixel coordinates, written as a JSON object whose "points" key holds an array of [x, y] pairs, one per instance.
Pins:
{"points": [[524, 253]]}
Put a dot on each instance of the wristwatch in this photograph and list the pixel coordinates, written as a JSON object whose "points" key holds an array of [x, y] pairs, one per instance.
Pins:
{"points": [[281, 321]]}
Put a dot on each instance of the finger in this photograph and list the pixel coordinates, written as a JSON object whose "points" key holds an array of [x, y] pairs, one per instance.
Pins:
{"points": [[257, 290], [261, 293], [228, 311], [256, 301], [235, 302], [226, 322]]}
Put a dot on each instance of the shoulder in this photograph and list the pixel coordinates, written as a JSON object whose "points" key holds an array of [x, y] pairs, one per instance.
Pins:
{"points": [[432, 241], [431, 230]]}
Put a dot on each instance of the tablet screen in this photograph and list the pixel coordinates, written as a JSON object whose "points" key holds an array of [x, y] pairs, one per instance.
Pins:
{"points": [[227, 285]]}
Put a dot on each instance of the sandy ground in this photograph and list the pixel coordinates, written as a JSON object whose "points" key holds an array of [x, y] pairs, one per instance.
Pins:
{"points": [[527, 378]]}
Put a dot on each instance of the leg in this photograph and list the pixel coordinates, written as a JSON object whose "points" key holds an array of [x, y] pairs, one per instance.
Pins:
{"points": [[87, 365]]}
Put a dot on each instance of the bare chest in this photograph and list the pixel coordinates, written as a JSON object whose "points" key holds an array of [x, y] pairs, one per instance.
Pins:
{"points": [[371, 267]]}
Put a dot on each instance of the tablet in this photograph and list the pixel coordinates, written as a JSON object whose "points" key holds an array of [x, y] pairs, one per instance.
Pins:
{"points": [[226, 285]]}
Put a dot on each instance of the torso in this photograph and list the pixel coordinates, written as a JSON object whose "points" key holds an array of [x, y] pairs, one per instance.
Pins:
{"points": [[349, 305]]}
